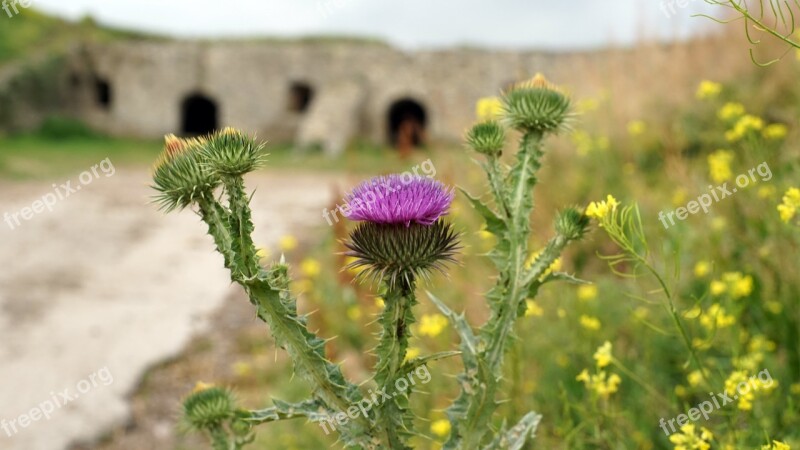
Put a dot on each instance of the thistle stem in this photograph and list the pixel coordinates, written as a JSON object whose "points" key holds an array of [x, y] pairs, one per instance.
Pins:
{"points": [[396, 320]]}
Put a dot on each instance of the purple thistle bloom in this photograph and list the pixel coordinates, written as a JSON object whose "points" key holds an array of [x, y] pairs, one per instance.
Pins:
{"points": [[396, 199]]}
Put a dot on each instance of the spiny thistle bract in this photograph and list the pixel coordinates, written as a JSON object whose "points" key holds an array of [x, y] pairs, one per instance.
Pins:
{"points": [[230, 152], [572, 223], [179, 175], [536, 106], [395, 252], [487, 138], [209, 407]]}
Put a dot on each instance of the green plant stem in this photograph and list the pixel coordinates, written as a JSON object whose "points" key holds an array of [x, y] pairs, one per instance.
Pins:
{"points": [[241, 226], [395, 420]]}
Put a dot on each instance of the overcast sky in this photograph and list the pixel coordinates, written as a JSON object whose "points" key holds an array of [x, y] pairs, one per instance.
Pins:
{"points": [[551, 24]]}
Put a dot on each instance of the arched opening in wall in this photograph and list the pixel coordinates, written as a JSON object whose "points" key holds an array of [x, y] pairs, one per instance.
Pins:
{"points": [[103, 95], [198, 115], [300, 97], [407, 121]]}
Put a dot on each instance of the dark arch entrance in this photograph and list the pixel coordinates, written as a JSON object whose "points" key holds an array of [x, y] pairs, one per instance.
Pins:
{"points": [[300, 97], [198, 115], [407, 121]]}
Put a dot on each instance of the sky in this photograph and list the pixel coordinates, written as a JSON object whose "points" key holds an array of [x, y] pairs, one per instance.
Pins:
{"points": [[541, 24]]}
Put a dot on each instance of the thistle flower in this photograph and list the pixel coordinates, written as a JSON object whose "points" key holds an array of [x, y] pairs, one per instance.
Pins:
{"points": [[180, 176], [393, 200], [403, 235]]}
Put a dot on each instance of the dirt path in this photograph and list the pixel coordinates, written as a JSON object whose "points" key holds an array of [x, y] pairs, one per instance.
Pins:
{"points": [[103, 287]]}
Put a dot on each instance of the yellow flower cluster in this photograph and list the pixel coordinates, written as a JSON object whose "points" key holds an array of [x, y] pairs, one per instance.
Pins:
{"points": [[731, 111], [587, 292], [603, 355], [590, 323], [533, 309], [708, 90], [689, 439], [734, 283], [744, 125], [715, 318], [775, 131], [719, 165], [702, 268], [600, 383], [489, 108], [776, 445], [599, 210], [790, 205], [440, 427], [746, 394], [432, 325]]}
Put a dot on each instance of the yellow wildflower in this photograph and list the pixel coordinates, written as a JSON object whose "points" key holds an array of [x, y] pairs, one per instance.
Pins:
{"points": [[731, 111], [432, 325], [776, 445], [715, 318], [695, 378], [261, 253], [440, 427], [744, 125], [412, 353], [702, 268], [288, 242], [718, 288], [708, 90], [590, 323], [775, 131], [379, 302], [310, 267], [587, 292], [489, 108], [790, 205], [603, 355], [354, 312], [689, 439], [601, 383], [533, 309], [719, 165], [599, 210], [681, 391], [636, 128]]}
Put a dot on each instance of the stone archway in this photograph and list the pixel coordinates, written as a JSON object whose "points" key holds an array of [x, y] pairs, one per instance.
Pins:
{"points": [[407, 120], [199, 115]]}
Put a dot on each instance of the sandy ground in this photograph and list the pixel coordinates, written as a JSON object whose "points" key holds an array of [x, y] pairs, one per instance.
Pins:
{"points": [[103, 287]]}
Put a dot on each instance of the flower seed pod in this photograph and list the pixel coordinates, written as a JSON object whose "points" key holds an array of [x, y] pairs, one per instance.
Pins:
{"points": [[487, 138], [230, 152], [536, 106], [180, 176]]}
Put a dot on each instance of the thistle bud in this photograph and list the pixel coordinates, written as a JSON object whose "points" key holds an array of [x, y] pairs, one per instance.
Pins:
{"points": [[230, 152], [487, 138], [180, 176], [208, 407], [571, 223], [536, 106]]}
